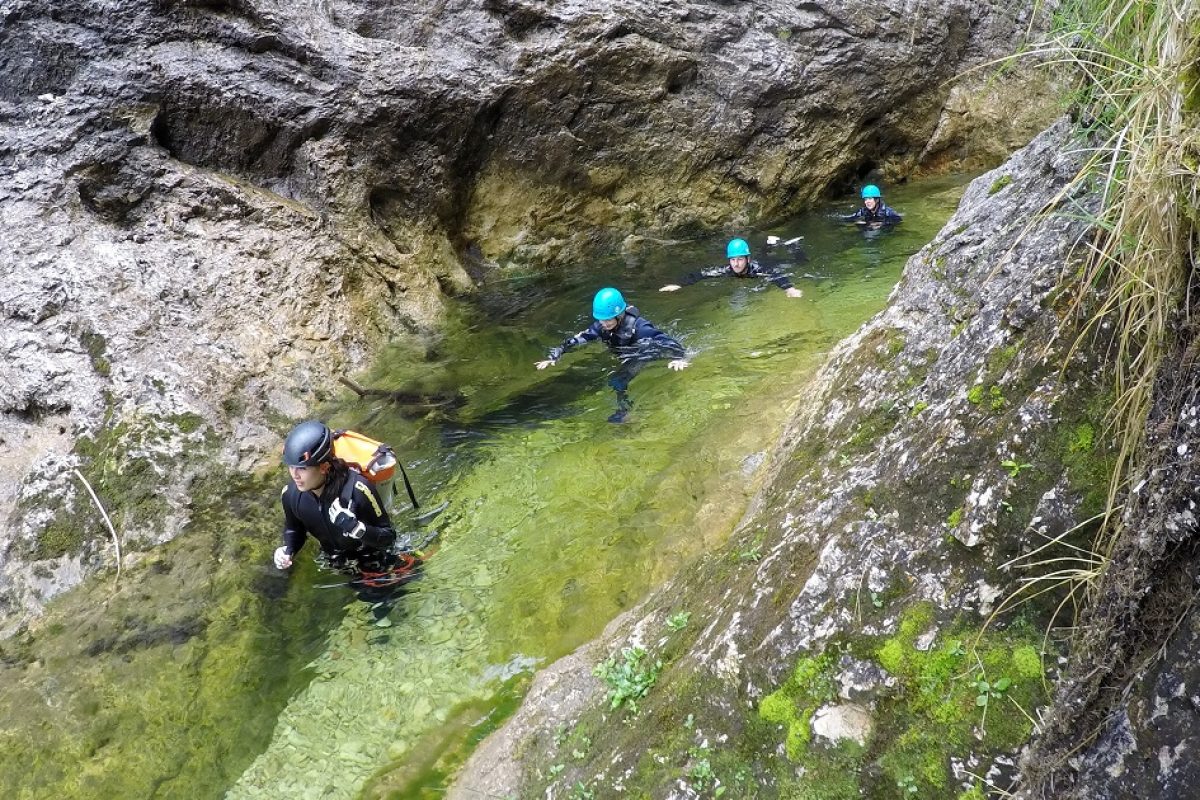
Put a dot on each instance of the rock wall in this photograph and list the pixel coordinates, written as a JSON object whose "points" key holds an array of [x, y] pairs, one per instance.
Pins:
{"points": [[844, 644], [1123, 722], [213, 207]]}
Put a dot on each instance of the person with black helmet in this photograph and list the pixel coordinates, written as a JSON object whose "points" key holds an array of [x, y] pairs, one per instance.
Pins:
{"points": [[333, 504], [873, 213], [740, 266]]}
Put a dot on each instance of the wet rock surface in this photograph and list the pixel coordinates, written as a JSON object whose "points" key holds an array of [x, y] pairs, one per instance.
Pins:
{"points": [[930, 459]]}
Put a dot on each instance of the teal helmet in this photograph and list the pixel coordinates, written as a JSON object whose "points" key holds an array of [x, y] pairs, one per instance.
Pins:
{"points": [[737, 247], [871, 190], [608, 304]]}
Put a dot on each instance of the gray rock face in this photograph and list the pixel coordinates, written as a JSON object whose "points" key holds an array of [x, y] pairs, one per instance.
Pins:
{"points": [[1123, 723], [893, 456], [212, 207]]}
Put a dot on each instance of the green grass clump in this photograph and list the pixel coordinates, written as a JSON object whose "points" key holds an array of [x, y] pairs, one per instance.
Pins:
{"points": [[999, 183]]}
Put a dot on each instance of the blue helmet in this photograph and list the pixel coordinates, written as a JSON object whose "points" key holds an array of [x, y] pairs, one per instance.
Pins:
{"points": [[608, 304], [737, 247], [871, 190]]}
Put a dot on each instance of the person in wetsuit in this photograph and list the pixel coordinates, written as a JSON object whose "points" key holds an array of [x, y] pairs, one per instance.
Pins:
{"points": [[740, 266], [632, 337], [334, 505], [873, 213]]}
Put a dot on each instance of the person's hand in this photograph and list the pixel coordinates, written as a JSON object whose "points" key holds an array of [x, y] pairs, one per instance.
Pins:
{"points": [[549, 362], [792, 291], [678, 364], [342, 517], [281, 558], [671, 287]]}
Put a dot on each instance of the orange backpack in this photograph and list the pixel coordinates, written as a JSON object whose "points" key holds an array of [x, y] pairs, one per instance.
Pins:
{"points": [[374, 460]]}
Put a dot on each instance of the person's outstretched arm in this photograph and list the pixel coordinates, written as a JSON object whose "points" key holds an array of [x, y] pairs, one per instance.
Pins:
{"points": [[777, 277], [589, 334], [696, 277], [653, 343]]}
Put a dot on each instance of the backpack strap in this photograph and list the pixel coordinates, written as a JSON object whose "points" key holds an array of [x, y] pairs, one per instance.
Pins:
{"points": [[407, 485]]}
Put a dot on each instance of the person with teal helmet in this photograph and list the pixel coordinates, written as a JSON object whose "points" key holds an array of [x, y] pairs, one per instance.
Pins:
{"points": [[632, 337], [740, 266], [873, 213]]}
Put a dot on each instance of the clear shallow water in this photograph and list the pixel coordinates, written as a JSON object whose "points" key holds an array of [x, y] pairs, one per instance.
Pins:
{"points": [[208, 674], [558, 520]]}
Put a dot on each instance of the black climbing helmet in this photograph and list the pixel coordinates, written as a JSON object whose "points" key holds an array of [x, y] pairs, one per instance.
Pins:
{"points": [[310, 443]]}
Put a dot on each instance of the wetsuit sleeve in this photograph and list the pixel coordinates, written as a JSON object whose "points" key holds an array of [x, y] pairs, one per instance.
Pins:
{"points": [[294, 532], [890, 216], [858, 214], [655, 344], [367, 507], [704, 274], [774, 275], [590, 334]]}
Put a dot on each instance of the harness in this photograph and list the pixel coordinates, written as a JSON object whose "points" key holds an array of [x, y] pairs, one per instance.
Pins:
{"points": [[624, 334]]}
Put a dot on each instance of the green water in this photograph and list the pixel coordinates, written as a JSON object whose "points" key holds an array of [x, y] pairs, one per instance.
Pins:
{"points": [[557, 521]]}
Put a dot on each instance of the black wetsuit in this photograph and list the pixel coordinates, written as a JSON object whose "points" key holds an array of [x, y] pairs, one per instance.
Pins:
{"points": [[307, 514], [883, 215], [634, 338], [635, 341], [752, 270]]}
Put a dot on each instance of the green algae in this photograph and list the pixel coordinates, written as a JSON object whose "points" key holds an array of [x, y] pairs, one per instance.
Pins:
{"points": [[933, 713], [144, 689]]}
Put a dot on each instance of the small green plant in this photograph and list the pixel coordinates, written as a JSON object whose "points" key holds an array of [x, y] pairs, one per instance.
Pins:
{"points": [[986, 692], [556, 770], [1000, 183], [918, 408], [580, 791], [955, 518], [876, 600], [679, 621], [1014, 468], [1082, 439], [629, 679], [975, 394], [996, 400], [751, 553], [701, 774], [907, 784]]}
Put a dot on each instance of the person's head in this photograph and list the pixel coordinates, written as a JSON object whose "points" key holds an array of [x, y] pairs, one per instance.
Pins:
{"points": [[871, 196], [308, 454], [607, 307], [738, 253]]}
